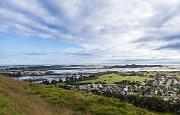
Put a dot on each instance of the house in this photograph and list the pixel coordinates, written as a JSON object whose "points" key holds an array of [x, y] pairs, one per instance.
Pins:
{"points": [[166, 98]]}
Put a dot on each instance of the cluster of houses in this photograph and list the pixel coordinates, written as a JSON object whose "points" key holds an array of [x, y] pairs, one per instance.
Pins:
{"points": [[166, 87]]}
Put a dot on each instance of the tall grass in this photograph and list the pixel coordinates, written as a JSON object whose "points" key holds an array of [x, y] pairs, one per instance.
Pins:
{"points": [[7, 107], [18, 93]]}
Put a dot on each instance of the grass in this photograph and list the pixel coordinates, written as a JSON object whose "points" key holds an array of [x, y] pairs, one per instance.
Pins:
{"points": [[112, 78], [20, 98], [16, 99], [81, 102], [7, 107]]}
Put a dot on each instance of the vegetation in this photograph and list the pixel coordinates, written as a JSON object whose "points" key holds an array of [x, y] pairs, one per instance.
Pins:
{"points": [[16, 99], [150, 103], [113, 78], [20, 98], [162, 73], [7, 107], [81, 102]]}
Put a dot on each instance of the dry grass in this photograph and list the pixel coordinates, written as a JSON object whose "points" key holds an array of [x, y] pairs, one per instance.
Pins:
{"points": [[19, 93]]}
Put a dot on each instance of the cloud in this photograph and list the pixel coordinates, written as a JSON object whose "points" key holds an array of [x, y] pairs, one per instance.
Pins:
{"points": [[36, 53], [175, 46], [106, 29]]}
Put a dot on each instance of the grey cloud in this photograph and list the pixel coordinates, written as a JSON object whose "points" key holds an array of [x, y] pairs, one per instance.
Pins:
{"points": [[144, 61], [82, 54], [36, 53], [174, 46]]}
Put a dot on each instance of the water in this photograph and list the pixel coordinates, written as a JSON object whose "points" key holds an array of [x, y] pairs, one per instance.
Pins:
{"points": [[70, 72]]}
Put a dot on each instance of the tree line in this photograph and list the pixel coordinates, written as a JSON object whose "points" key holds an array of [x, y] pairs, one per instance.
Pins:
{"points": [[150, 103]]}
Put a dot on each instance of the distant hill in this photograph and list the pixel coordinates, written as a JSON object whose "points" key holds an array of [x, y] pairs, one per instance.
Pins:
{"points": [[20, 98]]}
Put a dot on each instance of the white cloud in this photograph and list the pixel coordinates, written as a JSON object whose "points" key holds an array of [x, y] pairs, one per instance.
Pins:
{"points": [[109, 29], [35, 8]]}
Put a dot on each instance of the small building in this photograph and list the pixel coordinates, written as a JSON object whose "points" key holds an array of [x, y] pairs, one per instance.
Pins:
{"points": [[166, 98]]}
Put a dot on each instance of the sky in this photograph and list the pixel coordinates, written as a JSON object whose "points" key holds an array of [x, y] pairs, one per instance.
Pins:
{"points": [[89, 32]]}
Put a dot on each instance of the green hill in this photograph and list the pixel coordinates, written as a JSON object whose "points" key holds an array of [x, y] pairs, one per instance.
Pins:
{"points": [[19, 98]]}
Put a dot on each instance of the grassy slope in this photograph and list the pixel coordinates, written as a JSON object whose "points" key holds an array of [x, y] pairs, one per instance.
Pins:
{"points": [[18, 98], [111, 78], [87, 103], [6, 107]]}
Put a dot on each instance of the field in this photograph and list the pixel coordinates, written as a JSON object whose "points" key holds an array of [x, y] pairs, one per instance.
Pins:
{"points": [[112, 78]]}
